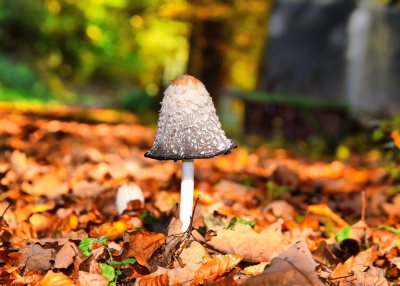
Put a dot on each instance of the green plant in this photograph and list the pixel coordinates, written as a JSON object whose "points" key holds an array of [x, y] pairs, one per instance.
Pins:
{"points": [[112, 269], [235, 220], [275, 191]]}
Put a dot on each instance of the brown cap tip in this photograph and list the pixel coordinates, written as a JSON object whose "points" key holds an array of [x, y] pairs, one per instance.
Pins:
{"points": [[185, 79]]}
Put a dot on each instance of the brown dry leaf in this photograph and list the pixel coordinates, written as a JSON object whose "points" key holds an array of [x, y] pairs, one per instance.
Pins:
{"points": [[48, 185], [281, 208], [19, 162], [193, 256], [65, 257], [244, 241], [90, 279], [176, 276], [142, 245], [216, 267], [325, 211], [86, 189], [295, 266], [159, 280], [35, 258], [359, 271], [56, 279]]}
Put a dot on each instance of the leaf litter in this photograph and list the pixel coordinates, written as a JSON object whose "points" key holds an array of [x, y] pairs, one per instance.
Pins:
{"points": [[263, 217]]}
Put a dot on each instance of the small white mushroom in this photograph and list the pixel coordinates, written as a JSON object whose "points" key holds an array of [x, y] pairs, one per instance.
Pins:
{"points": [[188, 128], [127, 193]]}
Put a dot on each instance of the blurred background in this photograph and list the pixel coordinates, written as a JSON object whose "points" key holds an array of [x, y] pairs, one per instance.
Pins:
{"points": [[317, 73]]}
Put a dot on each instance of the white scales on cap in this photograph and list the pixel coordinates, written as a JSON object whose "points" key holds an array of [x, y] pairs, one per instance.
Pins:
{"points": [[188, 126]]}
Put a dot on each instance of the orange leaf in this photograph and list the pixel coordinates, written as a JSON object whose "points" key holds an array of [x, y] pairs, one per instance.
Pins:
{"points": [[396, 138], [325, 211], [142, 245], [56, 279], [216, 267], [160, 280]]}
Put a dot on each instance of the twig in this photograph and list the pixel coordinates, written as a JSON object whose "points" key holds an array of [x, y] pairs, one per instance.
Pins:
{"points": [[363, 205], [4, 212]]}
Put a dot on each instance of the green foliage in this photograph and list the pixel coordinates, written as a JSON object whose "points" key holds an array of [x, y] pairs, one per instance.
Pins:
{"points": [[275, 191], [86, 245], [112, 269], [389, 228], [148, 219], [235, 220], [62, 46], [343, 234], [382, 136], [107, 271]]}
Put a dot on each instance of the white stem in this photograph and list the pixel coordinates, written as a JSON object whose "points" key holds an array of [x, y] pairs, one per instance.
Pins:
{"points": [[187, 187]]}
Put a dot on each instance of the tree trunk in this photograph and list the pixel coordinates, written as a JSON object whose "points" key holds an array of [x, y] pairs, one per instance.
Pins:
{"points": [[208, 47]]}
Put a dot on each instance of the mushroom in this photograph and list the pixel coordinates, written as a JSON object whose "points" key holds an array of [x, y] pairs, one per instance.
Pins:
{"points": [[188, 128]]}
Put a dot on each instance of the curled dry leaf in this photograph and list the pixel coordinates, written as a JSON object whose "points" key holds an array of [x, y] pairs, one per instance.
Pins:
{"points": [[159, 280], [244, 241], [325, 211], [91, 279], [142, 245], [56, 279], [65, 257], [216, 267], [295, 266], [358, 270]]}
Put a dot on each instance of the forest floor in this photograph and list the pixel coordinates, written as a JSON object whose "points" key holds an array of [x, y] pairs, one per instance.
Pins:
{"points": [[262, 218]]}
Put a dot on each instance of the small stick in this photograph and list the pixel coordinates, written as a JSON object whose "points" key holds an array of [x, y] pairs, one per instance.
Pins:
{"points": [[4, 212], [363, 205]]}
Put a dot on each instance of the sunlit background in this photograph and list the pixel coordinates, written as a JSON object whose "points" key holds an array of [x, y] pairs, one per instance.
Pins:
{"points": [[295, 71]]}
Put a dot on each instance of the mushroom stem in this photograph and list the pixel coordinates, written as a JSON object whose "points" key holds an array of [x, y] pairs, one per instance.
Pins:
{"points": [[187, 187]]}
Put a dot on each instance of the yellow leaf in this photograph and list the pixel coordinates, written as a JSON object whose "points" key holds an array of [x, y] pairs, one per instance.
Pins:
{"points": [[56, 279], [204, 197], [325, 211]]}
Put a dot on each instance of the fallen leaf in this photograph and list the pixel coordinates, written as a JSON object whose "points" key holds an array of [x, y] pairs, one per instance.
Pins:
{"points": [[216, 267], [142, 244], [85, 189], [56, 279], [159, 280], [255, 269], [176, 276], [65, 257], [110, 229], [295, 266], [244, 241], [48, 185], [358, 270], [280, 208], [91, 279], [193, 256], [325, 211], [19, 162], [396, 138], [35, 258]]}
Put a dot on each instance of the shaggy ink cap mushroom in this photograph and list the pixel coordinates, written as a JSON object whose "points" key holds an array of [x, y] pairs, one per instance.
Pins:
{"points": [[188, 126]]}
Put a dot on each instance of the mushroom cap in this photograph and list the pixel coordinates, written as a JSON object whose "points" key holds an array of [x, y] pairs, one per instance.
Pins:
{"points": [[188, 126]]}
